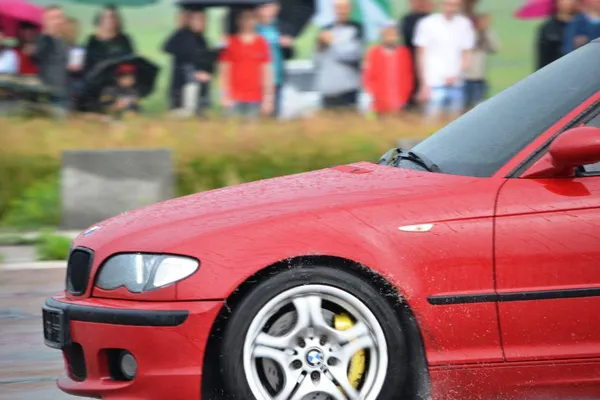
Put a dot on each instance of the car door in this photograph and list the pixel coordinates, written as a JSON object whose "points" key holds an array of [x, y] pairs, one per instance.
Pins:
{"points": [[547, 252]]}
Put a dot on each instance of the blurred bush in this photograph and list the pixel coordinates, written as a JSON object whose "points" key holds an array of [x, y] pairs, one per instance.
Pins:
{"points": [[208, 154], [51, 247], [21, 176], [37, 206]]}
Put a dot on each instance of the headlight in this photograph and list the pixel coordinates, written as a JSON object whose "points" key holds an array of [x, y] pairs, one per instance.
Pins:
{"points": [[144, 272]]}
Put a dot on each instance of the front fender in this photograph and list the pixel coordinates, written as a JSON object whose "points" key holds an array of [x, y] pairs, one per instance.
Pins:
{"points": [[455, 257], [228, 258]]}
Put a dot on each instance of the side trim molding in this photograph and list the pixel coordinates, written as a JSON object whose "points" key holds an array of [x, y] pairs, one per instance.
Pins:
{"points": [[513, 296]]}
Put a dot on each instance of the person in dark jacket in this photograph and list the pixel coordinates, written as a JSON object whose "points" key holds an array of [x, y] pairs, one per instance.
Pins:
{"points": [[194, 57], [109, 40], [51, 55], [418, 10], [552, 32], [178, 76]]}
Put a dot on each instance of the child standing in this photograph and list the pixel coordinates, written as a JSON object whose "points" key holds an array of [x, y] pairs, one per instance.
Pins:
{"points": [[388, 73], [247, 82], [476, 76]]}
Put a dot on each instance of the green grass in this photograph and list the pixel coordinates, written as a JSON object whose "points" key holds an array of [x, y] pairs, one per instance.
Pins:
{"points": [[52, 247], [149, 26], [39, 206]]}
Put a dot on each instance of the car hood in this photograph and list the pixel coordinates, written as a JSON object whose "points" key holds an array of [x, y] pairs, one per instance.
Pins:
{"points": [[160, 226]]}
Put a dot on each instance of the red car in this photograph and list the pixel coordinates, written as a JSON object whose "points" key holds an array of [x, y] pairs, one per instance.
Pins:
{"points": [[465, 269]]}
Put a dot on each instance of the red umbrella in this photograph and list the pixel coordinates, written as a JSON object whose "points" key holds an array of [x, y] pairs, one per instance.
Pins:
{"points": [[12, 12], [535, 9]]}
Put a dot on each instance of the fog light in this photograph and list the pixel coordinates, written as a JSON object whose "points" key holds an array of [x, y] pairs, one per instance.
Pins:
{"points": [[128, 365]]}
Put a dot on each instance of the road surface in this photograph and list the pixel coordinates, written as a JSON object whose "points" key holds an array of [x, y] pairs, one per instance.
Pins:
{"points": [[28, 369]]}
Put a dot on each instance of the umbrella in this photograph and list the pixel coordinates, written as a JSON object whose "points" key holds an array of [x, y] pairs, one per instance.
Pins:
{"points": [[235, 7], [103, 75], [12, 12], [294, 16], [532, 9], [220, 3], [119, 3]]}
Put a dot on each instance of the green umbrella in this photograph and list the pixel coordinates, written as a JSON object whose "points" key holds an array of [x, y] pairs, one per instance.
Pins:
{"points": [[117, 3]]}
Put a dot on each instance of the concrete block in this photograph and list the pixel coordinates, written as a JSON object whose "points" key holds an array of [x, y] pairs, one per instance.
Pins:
{"points": [[98, 184]]}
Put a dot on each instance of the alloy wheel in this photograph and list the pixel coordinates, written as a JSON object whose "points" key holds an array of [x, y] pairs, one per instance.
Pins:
{"points": [[317, 342]]}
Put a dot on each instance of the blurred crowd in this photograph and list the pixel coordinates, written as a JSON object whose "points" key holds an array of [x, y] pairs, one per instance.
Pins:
{"points": [[433, 61], [573, 24], [52, 54]]}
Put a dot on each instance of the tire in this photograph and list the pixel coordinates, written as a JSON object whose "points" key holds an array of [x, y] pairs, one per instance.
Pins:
{"points": [[254, 367]]}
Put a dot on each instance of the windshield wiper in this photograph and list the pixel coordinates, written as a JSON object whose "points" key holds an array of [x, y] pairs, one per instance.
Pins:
{"points": [[419, 159], [394, 156]]}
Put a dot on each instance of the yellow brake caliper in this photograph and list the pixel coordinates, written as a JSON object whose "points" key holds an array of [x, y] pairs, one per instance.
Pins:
{"points": [[342, 322]]}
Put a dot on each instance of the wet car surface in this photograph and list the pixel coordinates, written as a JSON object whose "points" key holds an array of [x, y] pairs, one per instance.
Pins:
{"points": [[464, 269]]}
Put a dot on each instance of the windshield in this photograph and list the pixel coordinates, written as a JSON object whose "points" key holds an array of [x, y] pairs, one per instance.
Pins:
{"points": [[483, 140]]}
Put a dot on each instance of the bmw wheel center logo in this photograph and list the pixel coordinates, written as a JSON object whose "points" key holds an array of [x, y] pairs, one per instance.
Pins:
{"points": [[314, 357]]}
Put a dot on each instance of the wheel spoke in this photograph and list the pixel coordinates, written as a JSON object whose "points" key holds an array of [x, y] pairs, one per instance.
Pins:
{"points": [[276, 355], [305, 309], [276, 342], [357, 331], [312, 311], [292, 380], [347, 351], [292, 377], [323, 386], [309, 312], [341, 377]]}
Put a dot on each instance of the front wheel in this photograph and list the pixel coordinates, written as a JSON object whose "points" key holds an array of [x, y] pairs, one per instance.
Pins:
{"points": [[314, 333]]}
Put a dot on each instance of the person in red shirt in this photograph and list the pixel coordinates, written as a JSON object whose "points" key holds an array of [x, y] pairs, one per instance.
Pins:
{"points": [[27, 36], [388, 74], [247, 82]]}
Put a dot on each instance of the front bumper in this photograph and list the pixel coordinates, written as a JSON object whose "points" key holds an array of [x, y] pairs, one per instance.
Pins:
{"points": [[167, 339]]}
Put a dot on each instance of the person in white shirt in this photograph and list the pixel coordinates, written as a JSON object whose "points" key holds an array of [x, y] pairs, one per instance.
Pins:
{"points": [[444, 43], [9, 60]]}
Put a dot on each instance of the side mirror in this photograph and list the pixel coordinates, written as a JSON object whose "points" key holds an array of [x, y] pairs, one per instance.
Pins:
{"points": [[573, 148]]}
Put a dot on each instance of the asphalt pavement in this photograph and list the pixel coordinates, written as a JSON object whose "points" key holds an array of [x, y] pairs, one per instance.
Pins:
{"points": [[28, 369]]}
